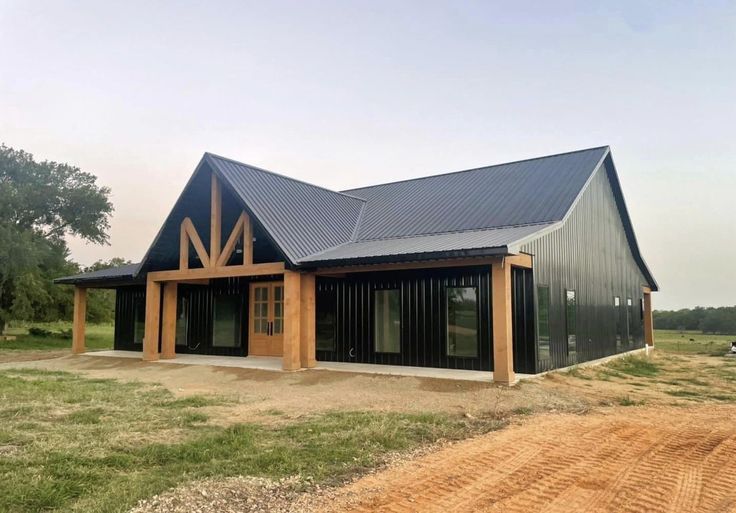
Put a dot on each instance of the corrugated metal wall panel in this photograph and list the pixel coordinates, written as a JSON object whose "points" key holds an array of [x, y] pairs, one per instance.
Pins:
{"points": [[591, 255], [423, 326]]}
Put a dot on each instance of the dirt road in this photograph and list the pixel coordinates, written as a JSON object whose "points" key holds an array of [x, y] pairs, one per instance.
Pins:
{"points": [[618, 460]]}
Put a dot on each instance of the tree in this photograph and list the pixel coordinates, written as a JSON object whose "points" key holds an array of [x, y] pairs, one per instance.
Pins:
{"points": [[41, 203], [101, 302]]}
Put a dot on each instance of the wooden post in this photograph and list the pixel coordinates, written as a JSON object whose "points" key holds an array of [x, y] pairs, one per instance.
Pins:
{"points": [[503, 355], [153, 313], [215, 220], [292, 321], [648, 318], [168, 323], [247, 240], [80, 319], [308, 322]]}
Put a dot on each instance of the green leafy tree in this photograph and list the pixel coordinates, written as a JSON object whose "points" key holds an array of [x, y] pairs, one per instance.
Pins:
{"points": [[41, 203], [101, 302]]}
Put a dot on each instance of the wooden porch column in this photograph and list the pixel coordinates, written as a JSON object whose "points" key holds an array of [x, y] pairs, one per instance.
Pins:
{"points": [[79, 320], [308, 322], [648, 318], [153, 315], [503, 322], [168, 323], [503, 355], [292, 321]]}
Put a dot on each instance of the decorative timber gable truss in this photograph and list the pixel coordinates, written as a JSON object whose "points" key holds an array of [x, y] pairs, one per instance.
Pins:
{"points": [[218, 256]]}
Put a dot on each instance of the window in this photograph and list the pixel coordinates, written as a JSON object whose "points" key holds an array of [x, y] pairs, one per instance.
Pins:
{"points": [[571, 321], [543, 321], [326, 315], [226, 322], [629, 318], [617, 319], [387, 320], [462, 321], [139, 320], [182, 321]]}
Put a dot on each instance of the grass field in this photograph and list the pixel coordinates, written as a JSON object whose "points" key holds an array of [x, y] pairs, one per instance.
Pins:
{"points": [[69, 443], [692, 342], [73, 443], [98, 337]]}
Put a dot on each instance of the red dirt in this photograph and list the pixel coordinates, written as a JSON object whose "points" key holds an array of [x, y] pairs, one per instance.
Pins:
{"points": [[628, 460]]}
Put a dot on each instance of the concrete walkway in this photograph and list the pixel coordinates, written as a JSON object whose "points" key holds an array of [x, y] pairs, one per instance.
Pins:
{"points": [[274, 364]]}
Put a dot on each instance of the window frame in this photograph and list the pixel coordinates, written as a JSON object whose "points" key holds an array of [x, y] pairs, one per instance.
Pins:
{"points": [[375, 319], [319, 296], [574, 334], [477, 321], [239, 325], [139, 303], [548, 297]]}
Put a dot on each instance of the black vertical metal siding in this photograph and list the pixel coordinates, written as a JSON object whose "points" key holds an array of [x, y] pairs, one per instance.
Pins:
{"points": [[524, 322], [200, 312], [126, 299], [423, 317], [589, 254]]}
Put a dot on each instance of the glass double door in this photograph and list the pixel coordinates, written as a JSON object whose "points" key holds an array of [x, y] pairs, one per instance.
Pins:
{"points": [[266, 319]]}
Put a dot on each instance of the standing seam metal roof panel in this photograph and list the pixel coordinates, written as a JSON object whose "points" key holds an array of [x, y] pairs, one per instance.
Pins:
{"points": [[302, 218], [519, 193]]}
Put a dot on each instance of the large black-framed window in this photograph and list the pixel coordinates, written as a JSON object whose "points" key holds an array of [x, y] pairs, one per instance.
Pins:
{"points": [[182, 320], [571, 322], [387, 320], [326, 320], [139, 320], [629, 320], [543, 351], [462, 321], [617, 320], [226, 320]]}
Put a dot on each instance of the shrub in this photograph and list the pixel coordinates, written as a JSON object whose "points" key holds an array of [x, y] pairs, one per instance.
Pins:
{"points": [[40, 332]]}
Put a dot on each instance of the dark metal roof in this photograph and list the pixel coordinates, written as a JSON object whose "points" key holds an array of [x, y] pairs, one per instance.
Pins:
{"points": [[527, 192], [456, 244], [484, 211], [302, 219], [115, 275]]}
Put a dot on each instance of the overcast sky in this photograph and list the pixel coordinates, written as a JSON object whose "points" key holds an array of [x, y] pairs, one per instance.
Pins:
{"points": [[344, 94]]}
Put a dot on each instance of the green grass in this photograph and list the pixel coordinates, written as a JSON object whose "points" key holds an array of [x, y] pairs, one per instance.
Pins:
{"points": [[97, 336], [634, 366], [69, 443], [692, 342]]}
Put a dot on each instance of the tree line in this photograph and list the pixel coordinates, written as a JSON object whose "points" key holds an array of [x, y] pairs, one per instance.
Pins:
{"points": [[721, 320], [41, 203]]}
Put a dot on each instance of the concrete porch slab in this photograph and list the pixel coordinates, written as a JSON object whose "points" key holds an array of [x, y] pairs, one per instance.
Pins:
{"points": [[274, 364]]}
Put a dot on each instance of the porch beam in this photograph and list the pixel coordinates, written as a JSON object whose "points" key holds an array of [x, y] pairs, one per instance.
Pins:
{"points": [[218, 272], [168, 322], [215, 220], [79, 320], [308, 349], [523, 259], [648, 318], [291, 359], [153, 315]]}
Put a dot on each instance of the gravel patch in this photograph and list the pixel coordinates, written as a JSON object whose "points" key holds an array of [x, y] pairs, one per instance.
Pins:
{"points": [[231, 495]]}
